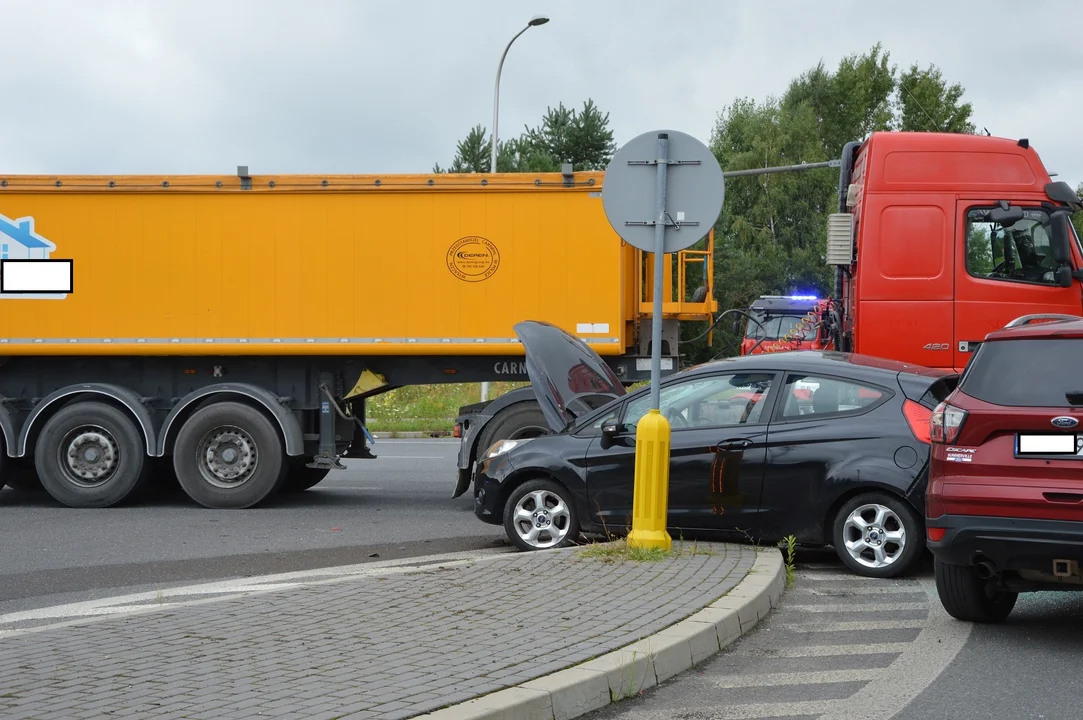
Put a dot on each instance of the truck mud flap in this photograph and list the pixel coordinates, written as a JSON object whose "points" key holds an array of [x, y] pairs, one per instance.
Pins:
{"points": [[462, 484]]}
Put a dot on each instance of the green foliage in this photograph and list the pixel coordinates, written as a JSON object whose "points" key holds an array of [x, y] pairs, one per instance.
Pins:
{"points": [[582, 138], [425, 408], [927, 103], [1077, 218]]}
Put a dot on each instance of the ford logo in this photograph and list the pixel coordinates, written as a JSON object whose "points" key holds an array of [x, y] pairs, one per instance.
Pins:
{"points": [[1064, 421]]}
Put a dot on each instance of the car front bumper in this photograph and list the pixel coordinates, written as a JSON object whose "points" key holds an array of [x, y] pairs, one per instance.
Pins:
{"points": [[488, 489], [1009, 543]]}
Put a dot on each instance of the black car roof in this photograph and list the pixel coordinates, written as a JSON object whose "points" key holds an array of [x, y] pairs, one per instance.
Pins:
{"points": [[851, 364]]}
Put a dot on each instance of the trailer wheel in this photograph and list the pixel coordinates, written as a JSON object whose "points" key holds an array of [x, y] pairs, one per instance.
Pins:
{"points": [[515, 422], [228, 455], [90, 455], [300, 478]]}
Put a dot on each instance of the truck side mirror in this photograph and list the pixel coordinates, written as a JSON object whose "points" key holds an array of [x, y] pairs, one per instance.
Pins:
{"points": [[1058, 237], [737, 326], [1064, 276]]}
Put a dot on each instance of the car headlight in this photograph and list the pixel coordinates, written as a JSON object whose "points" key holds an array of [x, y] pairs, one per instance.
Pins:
{"points": [[504, 446]]}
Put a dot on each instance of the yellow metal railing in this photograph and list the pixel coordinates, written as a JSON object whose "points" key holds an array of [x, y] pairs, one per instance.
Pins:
{"points": [[678, 302]]}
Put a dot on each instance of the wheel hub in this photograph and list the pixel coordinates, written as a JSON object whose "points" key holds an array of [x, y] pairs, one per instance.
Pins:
{"points": [[91, 455], [230, 456], [542, 519], [874, 535]]}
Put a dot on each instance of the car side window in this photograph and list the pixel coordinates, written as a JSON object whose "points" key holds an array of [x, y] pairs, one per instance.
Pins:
{"points": [[1019, 252], [811, 395], [713, 401]]}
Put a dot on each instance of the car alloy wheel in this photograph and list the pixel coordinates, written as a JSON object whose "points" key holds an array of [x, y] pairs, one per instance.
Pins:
{"points": [[877, 535], [539, 515]]}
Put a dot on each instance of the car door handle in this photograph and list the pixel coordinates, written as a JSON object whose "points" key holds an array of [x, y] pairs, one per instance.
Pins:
{"points": [[733, 444]]}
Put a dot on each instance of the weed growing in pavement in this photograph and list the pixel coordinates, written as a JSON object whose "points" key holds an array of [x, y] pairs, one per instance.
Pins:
{"points": [[789, 544], [619, 551]]}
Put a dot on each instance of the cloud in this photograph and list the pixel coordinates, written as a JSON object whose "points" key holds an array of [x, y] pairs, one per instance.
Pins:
{"points": [[126, 86]]}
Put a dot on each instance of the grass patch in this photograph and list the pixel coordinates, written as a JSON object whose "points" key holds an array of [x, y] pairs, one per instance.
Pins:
{"points": [[425, 408], [619, 551]]}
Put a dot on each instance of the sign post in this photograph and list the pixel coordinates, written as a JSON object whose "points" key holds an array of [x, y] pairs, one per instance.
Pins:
{"points": [[685, 206]]}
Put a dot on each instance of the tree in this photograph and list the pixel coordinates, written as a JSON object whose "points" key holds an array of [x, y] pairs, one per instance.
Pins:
{"points": [[582, 138], [928, 103], [1077, 218], [473, 153]]}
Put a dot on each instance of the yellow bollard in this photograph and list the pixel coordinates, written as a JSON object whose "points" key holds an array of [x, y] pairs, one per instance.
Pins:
{"points": [[650, 499]]}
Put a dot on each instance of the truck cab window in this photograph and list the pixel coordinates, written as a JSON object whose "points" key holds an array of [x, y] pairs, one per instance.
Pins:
{"points": [[1018, 252]]}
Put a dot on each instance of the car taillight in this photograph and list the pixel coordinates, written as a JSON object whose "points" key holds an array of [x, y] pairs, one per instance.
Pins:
{"points": [[945, 423], [917, 416]]}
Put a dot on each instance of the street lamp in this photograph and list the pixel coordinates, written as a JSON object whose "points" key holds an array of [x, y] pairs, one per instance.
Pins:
{"points": [[534, 22]]}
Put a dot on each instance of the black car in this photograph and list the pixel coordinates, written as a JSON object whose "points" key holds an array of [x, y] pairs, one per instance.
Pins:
{"points": [[831, 448]]}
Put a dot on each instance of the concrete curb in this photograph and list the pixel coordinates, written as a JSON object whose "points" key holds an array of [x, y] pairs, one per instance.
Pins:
{"points": [[622, 673]]}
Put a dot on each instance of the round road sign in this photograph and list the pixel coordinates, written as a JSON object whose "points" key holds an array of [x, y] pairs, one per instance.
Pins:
{"points": [[695, 191]]}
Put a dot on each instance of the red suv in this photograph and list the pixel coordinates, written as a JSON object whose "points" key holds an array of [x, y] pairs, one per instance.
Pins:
{"points": [[1004, 503]]}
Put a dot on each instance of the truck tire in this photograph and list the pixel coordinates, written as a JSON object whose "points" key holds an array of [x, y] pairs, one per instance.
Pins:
{"points": [[965, 596], [90, 455], [229, 455], [300, 478], [521, 420]]}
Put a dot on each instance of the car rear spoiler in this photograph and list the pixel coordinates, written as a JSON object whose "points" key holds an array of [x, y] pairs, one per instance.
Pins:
{"points": [[926, 389]]}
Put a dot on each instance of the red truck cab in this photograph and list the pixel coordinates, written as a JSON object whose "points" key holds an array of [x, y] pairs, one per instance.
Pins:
{"points": [[941, 238]]}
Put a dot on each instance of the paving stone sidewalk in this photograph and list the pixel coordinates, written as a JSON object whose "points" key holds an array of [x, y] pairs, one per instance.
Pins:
{"points": [[390, 646]]}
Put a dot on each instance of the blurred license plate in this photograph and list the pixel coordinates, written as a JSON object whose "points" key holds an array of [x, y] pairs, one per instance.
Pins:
{"points": [[1048, 444]]}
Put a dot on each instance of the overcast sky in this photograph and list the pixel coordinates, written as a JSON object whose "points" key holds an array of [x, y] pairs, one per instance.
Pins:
{"points": [[194, 86]]}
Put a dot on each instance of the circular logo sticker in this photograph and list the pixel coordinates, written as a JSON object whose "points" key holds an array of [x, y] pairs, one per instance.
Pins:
{"points": [[473, 259]]}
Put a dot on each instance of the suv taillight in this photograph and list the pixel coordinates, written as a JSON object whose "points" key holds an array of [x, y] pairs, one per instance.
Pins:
{"points": [[917, 417], [945, 423]]}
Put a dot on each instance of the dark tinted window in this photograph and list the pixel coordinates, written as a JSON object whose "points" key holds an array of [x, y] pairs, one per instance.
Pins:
{"points": [[1025, 373]]}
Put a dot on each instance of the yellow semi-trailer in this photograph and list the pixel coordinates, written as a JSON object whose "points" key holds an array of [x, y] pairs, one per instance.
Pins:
{"points": [[231, 327]]}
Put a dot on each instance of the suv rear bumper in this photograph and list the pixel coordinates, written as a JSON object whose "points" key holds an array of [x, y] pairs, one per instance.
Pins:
{"points": [[1010, 543]]}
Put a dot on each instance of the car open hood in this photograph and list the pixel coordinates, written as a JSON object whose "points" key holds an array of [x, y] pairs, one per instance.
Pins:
{"points": [[568, 378]]}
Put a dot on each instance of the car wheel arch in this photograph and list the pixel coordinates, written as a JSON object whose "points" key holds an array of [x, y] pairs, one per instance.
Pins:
{"points": [[518, 478], [828, 520]]}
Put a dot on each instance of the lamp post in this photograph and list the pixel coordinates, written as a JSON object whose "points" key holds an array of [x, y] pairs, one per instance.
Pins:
{"points": [[534, 22]]}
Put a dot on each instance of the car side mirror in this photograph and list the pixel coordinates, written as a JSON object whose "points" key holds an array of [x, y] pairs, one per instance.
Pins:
{"points": [[1058, 237], [610, 431]]}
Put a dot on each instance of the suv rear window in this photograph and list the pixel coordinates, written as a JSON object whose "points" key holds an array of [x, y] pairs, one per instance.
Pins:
{"points": [[1025, 373]]}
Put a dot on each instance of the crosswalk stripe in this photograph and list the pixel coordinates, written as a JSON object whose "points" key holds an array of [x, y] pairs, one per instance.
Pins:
{"points": [[860, 607], [836, 650], [844, 591], [851, 625], [812, 677]]}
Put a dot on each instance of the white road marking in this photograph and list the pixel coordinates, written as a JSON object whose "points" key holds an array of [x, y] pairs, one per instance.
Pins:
{"points": [[413, 457], [928, 655], [835, 650], [199, 594], [861, 607], [810, 677], [852, 625]]}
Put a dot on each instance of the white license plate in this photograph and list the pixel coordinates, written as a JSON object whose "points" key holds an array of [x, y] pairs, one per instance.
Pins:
{"points": [[1050, 444]]}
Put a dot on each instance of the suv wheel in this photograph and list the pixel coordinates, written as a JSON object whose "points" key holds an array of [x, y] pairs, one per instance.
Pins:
{"points": [[967, 597], [877, 535], [539, 515]]}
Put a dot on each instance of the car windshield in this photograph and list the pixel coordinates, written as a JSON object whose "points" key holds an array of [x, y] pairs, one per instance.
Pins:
{"points": [[1035, 372], [776, 326]]}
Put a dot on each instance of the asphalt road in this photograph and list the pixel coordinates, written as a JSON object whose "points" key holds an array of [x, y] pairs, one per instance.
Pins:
{"points": [[396, 506], [840, 646]]}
